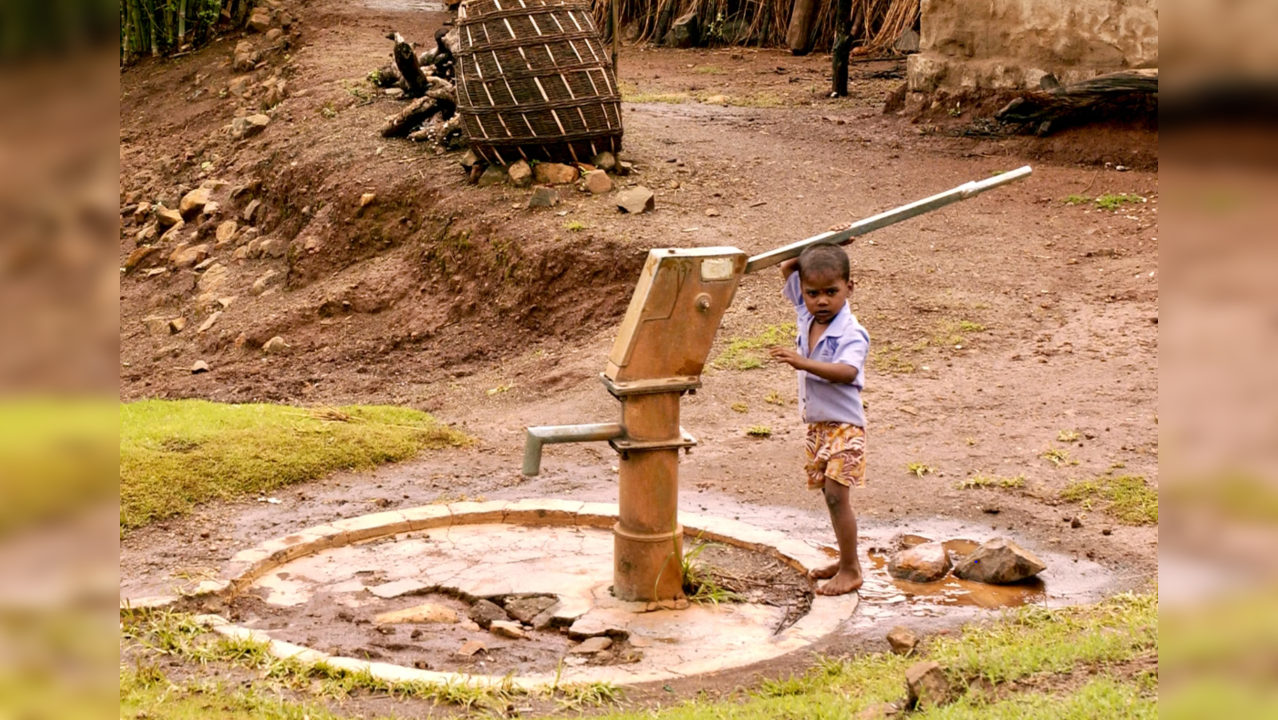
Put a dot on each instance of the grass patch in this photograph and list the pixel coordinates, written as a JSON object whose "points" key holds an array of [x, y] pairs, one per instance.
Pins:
{"points": [[1108, 201], [920, 469], [176, 454], [748, 353], [774, 398], [759, 431], [1057, 457], [981, 480], [574, 226], [1067, 436], [699, 582], [709, 70], [740, 407], [954, 332], [889, 360], [1128, 498]]}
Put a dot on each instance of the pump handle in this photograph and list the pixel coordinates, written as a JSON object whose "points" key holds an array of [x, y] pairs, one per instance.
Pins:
{"points": [[891, 217]]}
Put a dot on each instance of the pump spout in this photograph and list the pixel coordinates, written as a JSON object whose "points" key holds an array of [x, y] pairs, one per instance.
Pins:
{"points": [[538, 436]]}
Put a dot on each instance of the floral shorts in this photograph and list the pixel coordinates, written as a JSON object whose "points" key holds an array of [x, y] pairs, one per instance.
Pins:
{"points": [[835, 451]]}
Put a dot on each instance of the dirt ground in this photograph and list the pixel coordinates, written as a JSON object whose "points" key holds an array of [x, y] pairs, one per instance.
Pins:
{"points": [[454, 299]]}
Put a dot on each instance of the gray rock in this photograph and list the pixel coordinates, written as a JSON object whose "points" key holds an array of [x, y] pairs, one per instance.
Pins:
{"points": [[999, 562], [902, 639], [637, 199], [587, 627], [486, 612], [520, 173], [544, 197], [924, 563], [928, 687], [605, 161], [493, 175], [275, 345], [526, 609], [685, 32]]}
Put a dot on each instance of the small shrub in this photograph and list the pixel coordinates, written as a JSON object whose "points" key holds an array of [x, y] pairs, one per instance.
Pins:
{"points": [[1128, 498], [740, 407], [920, 469], [981, 480], [759, 431], [1067, 436]]}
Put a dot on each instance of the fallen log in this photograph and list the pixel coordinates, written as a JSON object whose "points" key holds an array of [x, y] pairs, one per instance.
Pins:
{"points": [[1125, 94], [417, 112], [415, 84]]}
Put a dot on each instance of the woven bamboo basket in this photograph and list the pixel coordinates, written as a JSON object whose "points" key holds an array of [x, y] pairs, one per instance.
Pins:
{"points": [[535, 82]]}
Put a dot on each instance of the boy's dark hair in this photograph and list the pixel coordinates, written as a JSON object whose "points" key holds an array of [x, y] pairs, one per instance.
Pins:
{"points": [[824, 258]]}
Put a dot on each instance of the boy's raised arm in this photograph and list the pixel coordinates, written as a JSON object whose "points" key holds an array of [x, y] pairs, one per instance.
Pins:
{"points": [[789, 267]]}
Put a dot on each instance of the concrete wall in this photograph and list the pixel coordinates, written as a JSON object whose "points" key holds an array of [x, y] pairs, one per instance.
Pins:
{"points": [[1011, 44]]}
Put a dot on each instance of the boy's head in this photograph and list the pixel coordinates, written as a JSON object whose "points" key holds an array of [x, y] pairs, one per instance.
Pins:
{"points": [[825, 278]]}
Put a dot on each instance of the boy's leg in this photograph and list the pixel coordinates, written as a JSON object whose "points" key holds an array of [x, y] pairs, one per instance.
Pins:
{"points": [[847, 575]]}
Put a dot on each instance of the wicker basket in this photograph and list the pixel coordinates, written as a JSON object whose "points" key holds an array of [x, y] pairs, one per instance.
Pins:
{"points": [[534, 81]]}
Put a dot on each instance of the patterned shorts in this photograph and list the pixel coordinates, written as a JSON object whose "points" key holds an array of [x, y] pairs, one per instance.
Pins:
{"points": [[835, 451]]}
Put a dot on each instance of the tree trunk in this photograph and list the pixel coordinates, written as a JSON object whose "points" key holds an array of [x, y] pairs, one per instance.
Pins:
{"points": [[410, 117], [799, 36], [665, 16], [842, 48]]}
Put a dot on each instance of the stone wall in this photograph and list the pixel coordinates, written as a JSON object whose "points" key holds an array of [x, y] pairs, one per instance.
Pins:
{"points": [[1012, 44]]}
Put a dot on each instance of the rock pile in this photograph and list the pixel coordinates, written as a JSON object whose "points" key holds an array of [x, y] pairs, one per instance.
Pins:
{"points": [[594, 178], [996, 562]]}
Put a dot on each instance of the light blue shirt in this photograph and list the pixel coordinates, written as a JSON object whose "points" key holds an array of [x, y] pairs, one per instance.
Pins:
{"points": [[844, 341]]}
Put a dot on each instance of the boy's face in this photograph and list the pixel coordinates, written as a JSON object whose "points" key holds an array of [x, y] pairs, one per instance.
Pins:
{"points": [[824, 294]]}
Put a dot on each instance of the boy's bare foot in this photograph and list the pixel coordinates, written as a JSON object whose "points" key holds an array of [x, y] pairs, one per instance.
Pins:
{"points": [[824, 573], [841, 584]]}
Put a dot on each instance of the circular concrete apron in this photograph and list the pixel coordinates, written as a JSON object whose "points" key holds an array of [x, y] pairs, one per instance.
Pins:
{"points": [[543, 547]]}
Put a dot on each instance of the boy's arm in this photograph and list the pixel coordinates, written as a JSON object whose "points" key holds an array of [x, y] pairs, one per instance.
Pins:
{"points": [[835, 372], [789, 267]]}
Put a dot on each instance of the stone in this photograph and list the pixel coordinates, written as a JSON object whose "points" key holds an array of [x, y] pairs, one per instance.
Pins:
{"points": [[273, 35], [260, 19], [625, 168], [250, 210], [507, 629], [199, 367], [468, 159], [902, 639], [526, 609], [226, 232], [712, 212], [394, 589], [554, 173], [418, 615], [208, 323], [586, 627], [470, 647], [167, 218], [210, 210], [592, 645], [193, 203], [275, 345], [605, 161], [275, 93], [183, 256], [685, 32], [999, 562], [273, 247], [147, 234], [493, 175], [879, 711], [366, 199], [239, 86], [927, 685], [597, 182], [247, 127], [141, 211], [171, 235], [544, 197], [486, 612], [520, 173], [245, 57], [908, 42], [266, 280], [924, 563], [177, 325], [137, 256], [635, 200]]}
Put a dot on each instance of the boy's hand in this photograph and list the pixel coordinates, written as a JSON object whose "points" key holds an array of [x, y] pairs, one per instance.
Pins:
{"points": [[789, 356]]}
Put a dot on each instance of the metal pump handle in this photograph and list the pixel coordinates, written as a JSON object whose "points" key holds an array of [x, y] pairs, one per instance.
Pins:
{"points": [[891, 217]]}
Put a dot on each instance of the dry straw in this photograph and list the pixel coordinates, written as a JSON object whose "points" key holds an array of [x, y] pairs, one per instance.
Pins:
{"points": [[765, 22]]}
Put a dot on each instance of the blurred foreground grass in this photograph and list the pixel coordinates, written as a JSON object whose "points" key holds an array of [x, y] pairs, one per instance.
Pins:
{"points": [[175, 454]]}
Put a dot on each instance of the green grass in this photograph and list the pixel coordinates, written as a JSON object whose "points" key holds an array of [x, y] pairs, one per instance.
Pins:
{"points": [[981, 480], [759, 431], [176, 454], [1067, 436], [1127, 498], [709, 70], [1057, 457], [574, 226], [699, 582], [889, 360], [740, 407], [748, 353], [954, 332], [1108, 201], [920, 469]]}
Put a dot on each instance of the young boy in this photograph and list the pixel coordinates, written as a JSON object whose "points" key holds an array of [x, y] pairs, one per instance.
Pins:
{"points": [[830, 361]]}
